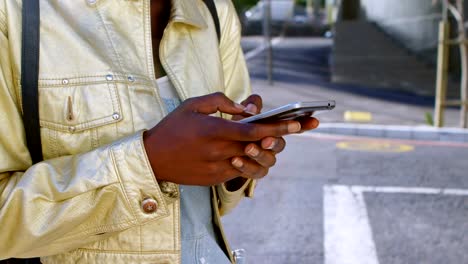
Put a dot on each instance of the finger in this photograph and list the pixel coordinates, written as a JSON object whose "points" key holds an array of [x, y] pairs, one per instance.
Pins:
{"points": [[226, 150], [253, 103], [308, 123], [212, 103], [275, 144], [221, 171], [249, 168], [265, 158], [231, 130]]}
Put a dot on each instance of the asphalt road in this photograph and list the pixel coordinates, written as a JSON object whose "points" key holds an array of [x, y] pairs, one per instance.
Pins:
{"points": [[286, 221], [342, 200]]}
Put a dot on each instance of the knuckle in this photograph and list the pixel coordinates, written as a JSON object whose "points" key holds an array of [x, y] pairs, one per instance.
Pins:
{"points": [[283, 129], [189, 102], [215, 154], [257, 98], [212, 169], [219, 95], [231, 173], [253, 132]]}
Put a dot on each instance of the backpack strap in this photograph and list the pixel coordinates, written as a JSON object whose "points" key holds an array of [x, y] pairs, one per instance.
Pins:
{"points": [[29, 90], [212, 7], [29, 77]]}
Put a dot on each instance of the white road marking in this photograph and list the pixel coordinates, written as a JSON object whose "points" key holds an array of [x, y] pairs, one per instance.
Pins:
{"points": [[348, 234], [416, 142], [249, 55], [414, 190]]}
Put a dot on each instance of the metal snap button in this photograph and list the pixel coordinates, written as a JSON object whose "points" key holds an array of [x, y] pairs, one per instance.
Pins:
{"points": [[149, 205], [116, 116], [109, 77], [131, 78], [65, 81]]}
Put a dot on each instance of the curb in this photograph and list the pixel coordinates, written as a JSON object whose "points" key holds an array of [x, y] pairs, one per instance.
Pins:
{"points": [[395, 132]]}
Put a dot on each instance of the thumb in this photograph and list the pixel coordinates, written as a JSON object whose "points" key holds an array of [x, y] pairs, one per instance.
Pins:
{"points": [[212, 103]]}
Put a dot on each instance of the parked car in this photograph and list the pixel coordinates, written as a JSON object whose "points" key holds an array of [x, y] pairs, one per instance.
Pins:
{"points": [[281, 10]]}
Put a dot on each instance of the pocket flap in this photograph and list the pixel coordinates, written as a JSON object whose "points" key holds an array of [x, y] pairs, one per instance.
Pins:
{"points": [[78, 108]]}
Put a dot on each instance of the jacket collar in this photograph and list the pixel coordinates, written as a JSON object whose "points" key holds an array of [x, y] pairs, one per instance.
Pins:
{"points": [[188, 12]]}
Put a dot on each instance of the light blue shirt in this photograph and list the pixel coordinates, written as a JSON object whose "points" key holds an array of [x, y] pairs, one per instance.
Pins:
{"points": [[199, 241]]}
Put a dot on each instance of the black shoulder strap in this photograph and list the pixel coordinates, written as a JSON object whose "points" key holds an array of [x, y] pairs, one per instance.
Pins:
{"points": [[29, 77], [212, 7], [29, 89]]}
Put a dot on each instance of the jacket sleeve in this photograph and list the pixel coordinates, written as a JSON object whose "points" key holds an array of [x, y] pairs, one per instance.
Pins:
{"points": [[237, 87], [64, 203]]}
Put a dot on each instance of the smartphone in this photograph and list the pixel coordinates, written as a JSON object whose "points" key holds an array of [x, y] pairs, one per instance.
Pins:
{"points": [[290, 111]]}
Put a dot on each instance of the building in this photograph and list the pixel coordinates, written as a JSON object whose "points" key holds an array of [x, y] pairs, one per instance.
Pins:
{"points": [[388, 43]]}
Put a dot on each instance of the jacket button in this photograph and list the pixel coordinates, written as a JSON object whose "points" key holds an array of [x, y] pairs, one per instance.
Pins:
{"points": [[116, 116], [149, 205], [109, 77]]}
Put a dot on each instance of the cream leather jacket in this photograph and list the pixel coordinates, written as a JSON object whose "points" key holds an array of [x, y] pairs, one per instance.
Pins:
{"points": [[97, 93]]}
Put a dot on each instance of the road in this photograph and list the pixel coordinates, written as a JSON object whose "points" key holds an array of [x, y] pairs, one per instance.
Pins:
{"points": [[285, 223], [343, 200]]}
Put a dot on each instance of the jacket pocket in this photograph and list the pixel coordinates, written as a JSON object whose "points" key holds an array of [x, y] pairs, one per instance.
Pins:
{"points": [[78, 118]]}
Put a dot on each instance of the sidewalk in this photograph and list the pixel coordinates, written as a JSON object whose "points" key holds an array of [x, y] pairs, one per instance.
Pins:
{"points": [[301, 74]]}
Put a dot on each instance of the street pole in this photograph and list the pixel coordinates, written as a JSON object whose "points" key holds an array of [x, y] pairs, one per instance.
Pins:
{"points": [[267, 35], [442, 67], [442, 74], [464, 65], [309, 8]]}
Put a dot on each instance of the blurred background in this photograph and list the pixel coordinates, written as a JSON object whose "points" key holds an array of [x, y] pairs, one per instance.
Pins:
{"points": [[384, 179]]}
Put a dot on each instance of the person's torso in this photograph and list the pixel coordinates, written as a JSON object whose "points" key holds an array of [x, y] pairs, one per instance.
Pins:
{"points": [[97, 84]]}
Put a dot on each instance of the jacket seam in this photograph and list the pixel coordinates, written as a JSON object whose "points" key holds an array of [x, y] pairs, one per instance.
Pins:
{"points": [[124, 191], [202, 69], [150, 52], [120, 252], [119, 60], [103, 75], [119, 77], [3, 22], [104, 228]]}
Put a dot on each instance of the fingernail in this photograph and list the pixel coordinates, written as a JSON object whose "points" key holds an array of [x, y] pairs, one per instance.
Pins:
{"points": [[294, 127], [271, 145], [251, 109], [316, 123], [237, 162], [253, 151], [239, 106]]}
